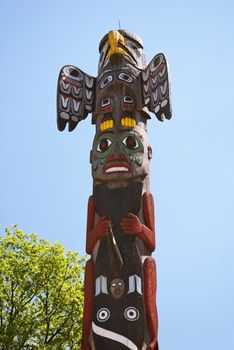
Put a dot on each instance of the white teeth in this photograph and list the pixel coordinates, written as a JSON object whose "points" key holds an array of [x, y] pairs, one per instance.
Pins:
{"points": [[117, 168]]}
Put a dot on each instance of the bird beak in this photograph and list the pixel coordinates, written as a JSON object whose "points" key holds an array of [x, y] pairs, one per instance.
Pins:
{"points": [[117, 44]]}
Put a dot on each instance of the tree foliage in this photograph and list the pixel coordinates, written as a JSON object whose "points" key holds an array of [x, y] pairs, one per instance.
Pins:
{"points": [[41, 294]]}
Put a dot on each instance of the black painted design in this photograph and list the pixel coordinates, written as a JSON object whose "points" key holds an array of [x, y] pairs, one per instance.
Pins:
{"points": [[126, 199]]}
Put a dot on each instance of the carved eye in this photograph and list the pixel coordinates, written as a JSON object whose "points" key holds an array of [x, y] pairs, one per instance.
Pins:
{"points": [[125, 77], [105, 102], [130, 142], [103, 315], [73, 73], [128, 99], [106, 81], [133, 46], [103, 145], [156, 62], [131, 313]]}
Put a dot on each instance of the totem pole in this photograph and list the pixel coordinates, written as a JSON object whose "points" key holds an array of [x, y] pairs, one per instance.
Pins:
{"points": [[120, 277]]}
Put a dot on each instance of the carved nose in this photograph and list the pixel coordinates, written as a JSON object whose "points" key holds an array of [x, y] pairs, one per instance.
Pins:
{"points": [[117, 152], [117, 155], [121, 156]]}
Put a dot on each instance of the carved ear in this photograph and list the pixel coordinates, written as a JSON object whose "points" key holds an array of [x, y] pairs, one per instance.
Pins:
{"points": [[150, 152], [90, 157], [75, 97], [156, 88]]}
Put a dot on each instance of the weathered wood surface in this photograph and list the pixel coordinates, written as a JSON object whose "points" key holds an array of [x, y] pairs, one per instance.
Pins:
{"points": [[120, 280]]}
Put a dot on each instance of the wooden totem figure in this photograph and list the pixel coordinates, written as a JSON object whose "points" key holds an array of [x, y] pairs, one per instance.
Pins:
{"points": [[120, 279]]}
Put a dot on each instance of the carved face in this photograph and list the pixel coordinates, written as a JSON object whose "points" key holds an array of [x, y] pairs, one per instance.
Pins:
{"points": [[117, 288], [120, 155]]}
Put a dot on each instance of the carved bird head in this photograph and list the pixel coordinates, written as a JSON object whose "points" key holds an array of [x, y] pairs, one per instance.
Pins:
{"points": [[121, 47]]}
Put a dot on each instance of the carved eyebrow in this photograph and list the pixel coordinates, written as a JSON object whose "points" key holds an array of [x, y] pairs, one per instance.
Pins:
{"points": [[106, 124], [128, 121]]}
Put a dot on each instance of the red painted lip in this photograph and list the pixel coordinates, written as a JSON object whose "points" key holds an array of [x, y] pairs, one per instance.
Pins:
{"points": [[117, 168]]}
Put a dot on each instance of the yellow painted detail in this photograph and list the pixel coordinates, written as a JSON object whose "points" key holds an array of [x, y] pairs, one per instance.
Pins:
{"points": [[128, 122], [114, 38], [107, 124]]}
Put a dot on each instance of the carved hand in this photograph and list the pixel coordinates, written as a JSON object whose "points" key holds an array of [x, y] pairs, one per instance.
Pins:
{"points": [[131, 225], [102, 227]]}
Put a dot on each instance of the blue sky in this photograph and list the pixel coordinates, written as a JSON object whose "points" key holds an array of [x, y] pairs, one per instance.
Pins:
{"points": [[45, 175]]}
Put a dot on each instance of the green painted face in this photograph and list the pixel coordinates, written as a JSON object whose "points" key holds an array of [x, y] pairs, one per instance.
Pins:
{"points": [[118, 156]]}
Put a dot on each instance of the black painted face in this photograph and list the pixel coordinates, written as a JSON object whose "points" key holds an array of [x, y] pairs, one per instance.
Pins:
{"points": [[120, 155], [117, 288]]}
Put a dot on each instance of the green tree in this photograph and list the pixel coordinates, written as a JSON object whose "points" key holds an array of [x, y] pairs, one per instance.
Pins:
{"points": [[41, 294]]}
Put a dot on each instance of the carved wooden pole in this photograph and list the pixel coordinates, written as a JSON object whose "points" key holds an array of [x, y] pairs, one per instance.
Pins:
{"points": [[120, 279]]}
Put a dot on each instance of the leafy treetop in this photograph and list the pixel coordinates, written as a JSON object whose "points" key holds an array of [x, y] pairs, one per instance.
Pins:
{"points": [[41, 294]]}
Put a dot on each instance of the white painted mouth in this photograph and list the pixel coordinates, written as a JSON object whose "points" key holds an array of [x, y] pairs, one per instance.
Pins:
{"points": [[117, 169]]}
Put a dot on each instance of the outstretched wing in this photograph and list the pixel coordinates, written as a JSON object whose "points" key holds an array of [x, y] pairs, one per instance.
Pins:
{"points": [[75, 97], [156, 88]]}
